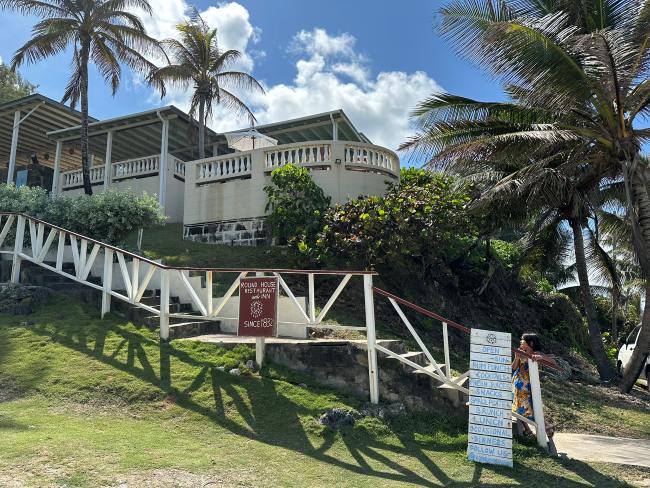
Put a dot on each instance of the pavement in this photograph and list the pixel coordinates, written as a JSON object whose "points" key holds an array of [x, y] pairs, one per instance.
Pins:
{"points": [[599, 448]]}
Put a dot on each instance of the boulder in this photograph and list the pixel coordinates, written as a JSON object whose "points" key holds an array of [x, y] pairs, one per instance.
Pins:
{"points": [[17, 299]]}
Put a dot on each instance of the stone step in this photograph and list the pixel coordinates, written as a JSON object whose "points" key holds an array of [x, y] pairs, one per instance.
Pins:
{"points": [[418, 357]]}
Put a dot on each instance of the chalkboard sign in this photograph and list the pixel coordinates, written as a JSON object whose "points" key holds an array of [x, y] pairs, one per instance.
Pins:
{"points": [[490, 398], [258, 307]]}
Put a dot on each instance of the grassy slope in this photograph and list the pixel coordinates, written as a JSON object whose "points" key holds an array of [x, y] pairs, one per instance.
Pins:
{"points": [[86, 402]]}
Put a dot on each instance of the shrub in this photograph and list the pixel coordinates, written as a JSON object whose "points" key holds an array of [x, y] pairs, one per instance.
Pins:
{"points": [[506, 252], [296, 203], [107, 217], [420, 217]]}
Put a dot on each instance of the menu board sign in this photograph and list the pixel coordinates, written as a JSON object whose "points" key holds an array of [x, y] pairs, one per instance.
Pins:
{"points": [[490, 398], [258, 307]]}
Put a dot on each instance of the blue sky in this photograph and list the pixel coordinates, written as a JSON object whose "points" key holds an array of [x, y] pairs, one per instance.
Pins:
{"points": [[374, 59]]}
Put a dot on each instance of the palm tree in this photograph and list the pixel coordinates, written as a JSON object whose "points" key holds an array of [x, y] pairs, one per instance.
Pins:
{"points": [[197, 60], [103, 32], [549, 195], [580, 82]]}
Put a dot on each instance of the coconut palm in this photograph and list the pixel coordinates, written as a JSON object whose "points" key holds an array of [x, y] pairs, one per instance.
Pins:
{"points": [[581, 83], [197, 61], [103, 32]]}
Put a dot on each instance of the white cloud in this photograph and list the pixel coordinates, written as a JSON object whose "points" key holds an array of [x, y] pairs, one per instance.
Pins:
{"points": [[330, 74], [333, 75]]}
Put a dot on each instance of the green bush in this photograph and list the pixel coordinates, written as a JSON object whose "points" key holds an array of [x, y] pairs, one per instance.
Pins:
{"points": [[506, 252], [420, 217], [107, 217], [296, 204]]}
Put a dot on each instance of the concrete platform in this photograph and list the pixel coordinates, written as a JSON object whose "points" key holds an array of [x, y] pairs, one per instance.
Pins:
{"points": [[233, 339], [598, 448]]}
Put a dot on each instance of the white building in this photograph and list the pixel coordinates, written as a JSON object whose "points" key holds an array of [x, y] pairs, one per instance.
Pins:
{"points": [[218, 199]]}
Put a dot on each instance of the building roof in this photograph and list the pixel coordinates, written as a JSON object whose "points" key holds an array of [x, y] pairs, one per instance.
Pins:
{"points": [[46, 114]]}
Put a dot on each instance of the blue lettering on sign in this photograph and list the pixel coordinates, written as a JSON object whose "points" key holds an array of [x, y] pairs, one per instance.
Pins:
{"points": [[497, 385], [491, 421], [480, 458], [490, 402], [490, 441], [489, 450], [502, 413], [488, 392], [489, 375], [501, 368], [493, 431]]}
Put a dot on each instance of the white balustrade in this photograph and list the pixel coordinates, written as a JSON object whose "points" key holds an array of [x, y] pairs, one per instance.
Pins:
{"points": [[300, 154], [136, 167], [224, 167], [179, 166], [369, 155], [74, 178]]}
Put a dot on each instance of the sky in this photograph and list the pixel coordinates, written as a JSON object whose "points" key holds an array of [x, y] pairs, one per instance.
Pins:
{"points": [[374, 59]]}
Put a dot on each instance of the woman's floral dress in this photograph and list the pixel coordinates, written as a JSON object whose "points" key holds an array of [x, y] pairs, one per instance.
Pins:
{"points": [[522, 401]]}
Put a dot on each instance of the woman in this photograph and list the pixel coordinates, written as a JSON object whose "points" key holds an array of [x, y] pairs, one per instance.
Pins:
{"points": [[522, 402]]}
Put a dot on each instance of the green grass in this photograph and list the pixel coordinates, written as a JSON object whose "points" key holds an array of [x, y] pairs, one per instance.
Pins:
{"points": [[89, 402], [166, 243]]}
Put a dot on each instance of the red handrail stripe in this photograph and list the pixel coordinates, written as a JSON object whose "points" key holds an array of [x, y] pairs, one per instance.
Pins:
{"points": [[455, 325]]}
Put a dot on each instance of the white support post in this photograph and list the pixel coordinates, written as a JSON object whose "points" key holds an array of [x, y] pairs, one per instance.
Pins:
{"points": [[107, 159], [312, 302], [215, 149], [538, 406], [209, 300], [373, 370], [162, 170], [164, 304], [335, 130], [56, 188], [260, 342], [14, 147], [445, 338], [107, 281], [18, 248]]}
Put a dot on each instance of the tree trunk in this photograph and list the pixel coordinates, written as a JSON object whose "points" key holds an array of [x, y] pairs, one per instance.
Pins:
{"points": [[201, 129], [85, 159], [605, 368], [639, 213]]}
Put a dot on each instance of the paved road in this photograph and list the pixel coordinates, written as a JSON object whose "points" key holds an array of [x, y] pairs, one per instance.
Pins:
{"points": [[599, 448]]}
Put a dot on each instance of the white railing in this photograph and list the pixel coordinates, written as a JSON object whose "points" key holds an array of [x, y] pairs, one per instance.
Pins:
{"points": [[179, 166], [75, 178], [370, 156], [34, 241], [302, 154], [136, 167], [233, 165]]}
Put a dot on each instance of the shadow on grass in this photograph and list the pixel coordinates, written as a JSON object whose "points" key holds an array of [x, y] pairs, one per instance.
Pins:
{"points": [[274, 419]]}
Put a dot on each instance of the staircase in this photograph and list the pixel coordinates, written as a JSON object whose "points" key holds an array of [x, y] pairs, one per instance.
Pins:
{"points": [[178, 327]]}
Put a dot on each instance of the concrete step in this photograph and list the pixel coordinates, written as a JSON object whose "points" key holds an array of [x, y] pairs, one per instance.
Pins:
{"points": [[418, 357]]}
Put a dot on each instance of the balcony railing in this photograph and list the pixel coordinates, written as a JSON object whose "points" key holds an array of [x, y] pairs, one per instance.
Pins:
{"points": [[370, 156], [226, 167], [131, 168], [300, 154]]}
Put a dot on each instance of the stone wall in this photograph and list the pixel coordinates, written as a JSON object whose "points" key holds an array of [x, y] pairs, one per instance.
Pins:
{"points": [[239, 232]]}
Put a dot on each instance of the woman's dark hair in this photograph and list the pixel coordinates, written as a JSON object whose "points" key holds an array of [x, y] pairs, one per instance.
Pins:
{"points": [[533, 341]]}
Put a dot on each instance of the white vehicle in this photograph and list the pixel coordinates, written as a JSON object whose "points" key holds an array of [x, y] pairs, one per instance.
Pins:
{"points": [[625, 353]]}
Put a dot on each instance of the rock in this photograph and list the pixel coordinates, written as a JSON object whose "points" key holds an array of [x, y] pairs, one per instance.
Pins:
{"points": [[235, 372], [221, 368], [250, 364], [17, 299], [337, 417], [383, 411]]}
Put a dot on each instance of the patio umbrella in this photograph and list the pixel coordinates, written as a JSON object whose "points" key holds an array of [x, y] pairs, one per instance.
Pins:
{"points": [[248, 140]]}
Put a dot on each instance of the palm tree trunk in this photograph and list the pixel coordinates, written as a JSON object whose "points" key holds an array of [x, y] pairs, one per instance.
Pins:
{"points": [[85, 160], [605, 368], [639, 212], [201, 129]]}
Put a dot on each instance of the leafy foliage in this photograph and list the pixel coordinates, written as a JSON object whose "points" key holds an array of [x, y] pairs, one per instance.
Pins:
{"points": [[12, 85], [107, 217], [420, 217], [296, 203]]}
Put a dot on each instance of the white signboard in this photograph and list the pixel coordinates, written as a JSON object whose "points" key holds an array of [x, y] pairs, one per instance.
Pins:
{"points": [[490, 398]]}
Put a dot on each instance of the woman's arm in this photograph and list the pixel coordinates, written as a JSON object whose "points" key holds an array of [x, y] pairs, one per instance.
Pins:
{"points": [[537, 356]]}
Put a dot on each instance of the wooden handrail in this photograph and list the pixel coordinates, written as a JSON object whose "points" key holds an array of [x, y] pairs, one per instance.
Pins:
{"points": [[453, 324], [191, 268]]}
